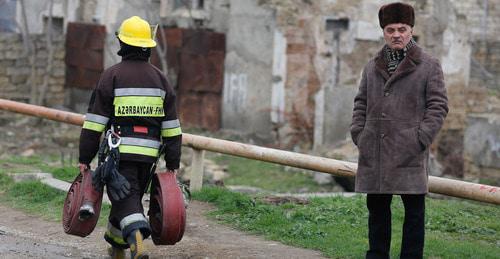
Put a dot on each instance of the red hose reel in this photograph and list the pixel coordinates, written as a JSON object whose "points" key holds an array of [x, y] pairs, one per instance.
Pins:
{"points": [[167, 213], [81, 193]]}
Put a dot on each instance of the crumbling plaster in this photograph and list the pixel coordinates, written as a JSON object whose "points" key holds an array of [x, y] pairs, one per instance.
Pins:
{"points": [[291, 80], [248, 70]]}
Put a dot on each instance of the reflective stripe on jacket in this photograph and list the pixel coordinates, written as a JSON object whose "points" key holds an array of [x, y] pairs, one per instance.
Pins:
{"points": [[129, 94]]}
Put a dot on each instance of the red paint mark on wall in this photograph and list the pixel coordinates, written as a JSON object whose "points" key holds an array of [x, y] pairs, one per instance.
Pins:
{"points": [[488, 188]]}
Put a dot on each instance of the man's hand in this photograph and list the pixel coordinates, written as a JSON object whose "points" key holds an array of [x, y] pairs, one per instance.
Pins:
{"points": [[83, 167]]}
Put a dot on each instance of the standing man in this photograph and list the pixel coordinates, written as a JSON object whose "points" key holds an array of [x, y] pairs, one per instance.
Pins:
{"points": [[399, 109], [133, 98]]}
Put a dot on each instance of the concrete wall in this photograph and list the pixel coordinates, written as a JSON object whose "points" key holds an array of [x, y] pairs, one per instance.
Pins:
{"points": [[482, 139], [38, 11], [481, 97], [482, 17], [351, 49], [248, 69], [484, 20], [482, 147]]}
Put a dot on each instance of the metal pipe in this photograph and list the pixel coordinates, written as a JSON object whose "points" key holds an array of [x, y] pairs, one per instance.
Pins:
{"points": [[321, 164], [455, 188], [43, 112]]}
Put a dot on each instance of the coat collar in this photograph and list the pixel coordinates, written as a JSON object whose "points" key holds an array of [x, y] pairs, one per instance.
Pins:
{"points": [[409, 63]]}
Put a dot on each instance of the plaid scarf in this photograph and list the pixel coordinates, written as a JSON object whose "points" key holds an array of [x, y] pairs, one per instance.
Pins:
{"points": [[394, 57]]}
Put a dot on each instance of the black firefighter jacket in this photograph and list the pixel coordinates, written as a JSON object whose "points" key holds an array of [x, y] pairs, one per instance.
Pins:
{"points": [[137, 100]]}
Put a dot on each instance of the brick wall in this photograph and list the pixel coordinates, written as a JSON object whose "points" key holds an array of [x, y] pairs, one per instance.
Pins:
{"points": [[15, 69]]}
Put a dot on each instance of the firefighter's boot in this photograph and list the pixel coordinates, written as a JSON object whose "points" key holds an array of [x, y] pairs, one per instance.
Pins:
{"points": [[136, 242], [116, 253]]}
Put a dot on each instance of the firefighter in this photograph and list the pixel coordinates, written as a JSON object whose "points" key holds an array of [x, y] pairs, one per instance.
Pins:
{"points": [[135, 100]]}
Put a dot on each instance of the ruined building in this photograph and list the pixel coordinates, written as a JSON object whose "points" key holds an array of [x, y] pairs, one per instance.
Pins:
{"points": [[284, 73]]}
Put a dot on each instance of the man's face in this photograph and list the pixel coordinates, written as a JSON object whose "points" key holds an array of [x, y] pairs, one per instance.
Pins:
{"points": [[397, 35]]}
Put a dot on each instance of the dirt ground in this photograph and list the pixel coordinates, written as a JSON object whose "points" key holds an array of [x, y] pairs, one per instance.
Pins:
{"points": [[25, 236]]}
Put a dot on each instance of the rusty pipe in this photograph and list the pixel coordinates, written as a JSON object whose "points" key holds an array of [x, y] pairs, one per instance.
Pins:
{"points": [[450, 187]]}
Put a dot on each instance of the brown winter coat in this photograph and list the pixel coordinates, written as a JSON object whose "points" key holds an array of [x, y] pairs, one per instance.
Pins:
{"points": [[395, 119]]}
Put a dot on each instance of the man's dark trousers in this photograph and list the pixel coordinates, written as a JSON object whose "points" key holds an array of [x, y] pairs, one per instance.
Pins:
{"points": [[379, 225]]}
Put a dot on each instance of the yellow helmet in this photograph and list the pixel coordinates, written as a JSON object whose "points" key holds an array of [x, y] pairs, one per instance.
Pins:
{"points": [[137, 32]]}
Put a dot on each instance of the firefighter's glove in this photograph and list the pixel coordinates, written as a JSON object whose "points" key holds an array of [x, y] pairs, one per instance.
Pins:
{"points": [[98, 178], [117, 185]]}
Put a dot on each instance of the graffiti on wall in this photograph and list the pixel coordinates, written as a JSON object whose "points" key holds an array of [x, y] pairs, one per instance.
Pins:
{"points": [[235, 90]]}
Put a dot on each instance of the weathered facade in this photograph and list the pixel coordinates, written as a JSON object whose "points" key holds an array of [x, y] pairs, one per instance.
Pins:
{"points": [[480, 131], [291, 68], [32, 61]]}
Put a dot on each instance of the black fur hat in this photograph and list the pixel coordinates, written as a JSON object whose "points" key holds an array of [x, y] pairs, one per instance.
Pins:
{"points": [[396, 13]]}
